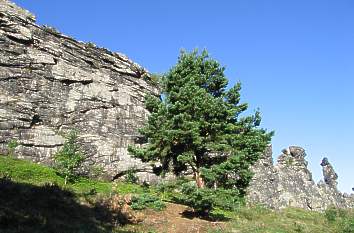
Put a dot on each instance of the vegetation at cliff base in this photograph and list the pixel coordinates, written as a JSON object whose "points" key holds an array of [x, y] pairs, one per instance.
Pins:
{"points": [[69, 158], [33, 199]]}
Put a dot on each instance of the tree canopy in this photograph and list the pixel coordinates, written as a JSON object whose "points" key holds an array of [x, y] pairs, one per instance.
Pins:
{"points": [[197, 125]]}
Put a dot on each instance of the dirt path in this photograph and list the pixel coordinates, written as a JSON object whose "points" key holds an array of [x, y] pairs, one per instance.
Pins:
{"points": [[171, 220]]}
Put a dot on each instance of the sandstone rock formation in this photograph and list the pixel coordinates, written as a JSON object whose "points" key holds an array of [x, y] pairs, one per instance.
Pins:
{"points": [[290, 183], [329, 175], [51, 83]]}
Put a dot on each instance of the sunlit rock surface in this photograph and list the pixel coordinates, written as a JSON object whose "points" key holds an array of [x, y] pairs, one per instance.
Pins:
{"points": [[51, 83], [290, 183]]}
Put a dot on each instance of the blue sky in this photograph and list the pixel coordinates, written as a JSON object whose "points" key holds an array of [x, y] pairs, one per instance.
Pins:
{"points": [[295, 59]]}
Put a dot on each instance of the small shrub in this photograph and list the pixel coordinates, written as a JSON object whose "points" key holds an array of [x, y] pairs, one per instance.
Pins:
{"points": [[11, 145], [331, 214], [170, 190], [131, 176], [96, 172], [91, 44], [203, 200], [145, 201], [228, 199], [50, 29], [69, 158], [298, 227]]}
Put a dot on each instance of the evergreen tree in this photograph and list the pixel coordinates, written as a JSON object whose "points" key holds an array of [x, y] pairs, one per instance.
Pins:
{"points": [[69, 158], [196, 124]]}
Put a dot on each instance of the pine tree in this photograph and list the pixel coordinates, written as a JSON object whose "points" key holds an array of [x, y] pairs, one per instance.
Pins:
{"points": [[196, 125], [69, 158]]}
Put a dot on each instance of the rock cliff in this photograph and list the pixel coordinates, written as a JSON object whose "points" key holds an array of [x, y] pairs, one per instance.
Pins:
{"points": [[51, 83], [290, 183]]}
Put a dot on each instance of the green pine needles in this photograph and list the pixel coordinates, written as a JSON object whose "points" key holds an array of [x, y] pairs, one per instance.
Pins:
{"points": [[69, 158], [196, 125]]}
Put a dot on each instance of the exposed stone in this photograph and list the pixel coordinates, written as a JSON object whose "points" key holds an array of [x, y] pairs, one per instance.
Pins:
{"points": [[290, 183], [264, 186], [329, 175], [51, 83]]}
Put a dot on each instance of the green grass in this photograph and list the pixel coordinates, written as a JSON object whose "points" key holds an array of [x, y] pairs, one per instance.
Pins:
{"points": [[31, 173], [29, 204], [33, 198], [128, 188], [289, 220], [27, 172]]}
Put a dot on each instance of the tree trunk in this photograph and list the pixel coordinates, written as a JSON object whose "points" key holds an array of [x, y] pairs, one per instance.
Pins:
{"points": [[199, 180]]}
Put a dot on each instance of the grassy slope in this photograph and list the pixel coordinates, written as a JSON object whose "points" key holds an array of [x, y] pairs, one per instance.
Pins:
{"points": [[261, 220], [29, 202], [48, 209], [31, 173]]}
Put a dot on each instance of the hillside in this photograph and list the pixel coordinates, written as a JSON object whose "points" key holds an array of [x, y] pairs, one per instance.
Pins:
{"points": [[51, 84], [33, 199]]}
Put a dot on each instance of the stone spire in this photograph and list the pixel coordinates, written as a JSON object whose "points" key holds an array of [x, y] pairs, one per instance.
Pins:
{"points": [[329, 175]]}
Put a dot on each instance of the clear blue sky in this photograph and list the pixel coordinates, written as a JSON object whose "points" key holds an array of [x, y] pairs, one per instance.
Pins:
{"points": [[295, 59]]}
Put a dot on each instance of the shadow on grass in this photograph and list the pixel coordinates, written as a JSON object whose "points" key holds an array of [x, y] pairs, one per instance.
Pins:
{"points": [[190, 214], [28, 208]]}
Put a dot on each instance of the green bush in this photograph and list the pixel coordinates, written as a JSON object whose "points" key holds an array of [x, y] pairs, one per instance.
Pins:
{"points": [[204, 200], [96, 172], [341, 218], [131, 176], [69, 158], [170, 190], [201, 200], [228, 199], [11, 145], [145, 201], [331, 214]]}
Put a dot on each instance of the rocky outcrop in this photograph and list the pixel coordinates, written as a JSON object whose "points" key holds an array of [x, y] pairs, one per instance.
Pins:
{"points": [[51, 84], [329, 175], [290, 183]]}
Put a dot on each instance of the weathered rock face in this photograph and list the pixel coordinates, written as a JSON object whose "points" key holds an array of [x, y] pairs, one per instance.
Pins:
{"points": [[290, 183], [329, 175], [51, 83]]}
